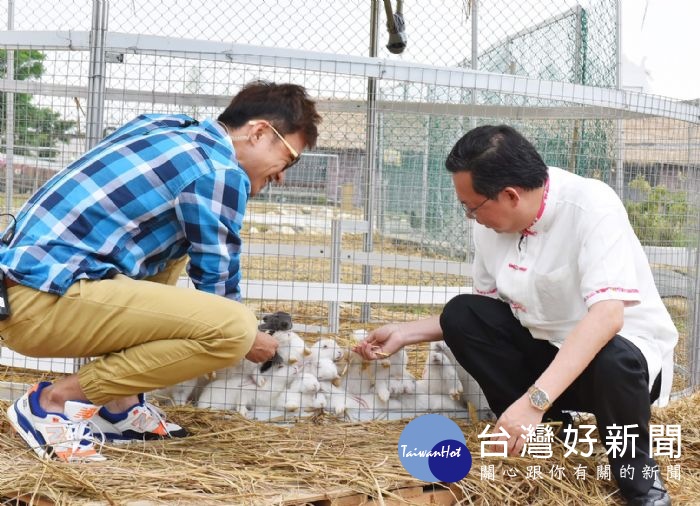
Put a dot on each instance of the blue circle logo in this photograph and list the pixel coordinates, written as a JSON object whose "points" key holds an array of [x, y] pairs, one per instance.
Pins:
{"points": [[433, 448]]}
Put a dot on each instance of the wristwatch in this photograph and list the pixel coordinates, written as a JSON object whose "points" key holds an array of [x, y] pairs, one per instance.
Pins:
{"points": [[538, 398]]}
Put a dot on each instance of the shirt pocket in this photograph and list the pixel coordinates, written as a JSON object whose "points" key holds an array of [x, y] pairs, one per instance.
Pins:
{"points": [[557, 295]]}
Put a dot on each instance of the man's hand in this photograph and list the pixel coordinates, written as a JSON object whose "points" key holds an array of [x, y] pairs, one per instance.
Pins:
{"points": [[518, 415], [264, 348], [381, 342]]}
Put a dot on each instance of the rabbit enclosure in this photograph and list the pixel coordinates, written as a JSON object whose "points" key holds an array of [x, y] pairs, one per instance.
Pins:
{"points": [[366, 229]]}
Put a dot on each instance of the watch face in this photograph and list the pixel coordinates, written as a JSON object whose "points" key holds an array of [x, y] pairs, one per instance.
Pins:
{"points": [[539, 398]]}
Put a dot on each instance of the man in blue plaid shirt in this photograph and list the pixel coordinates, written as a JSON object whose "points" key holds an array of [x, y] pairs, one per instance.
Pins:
{"points": [[91, 263]]}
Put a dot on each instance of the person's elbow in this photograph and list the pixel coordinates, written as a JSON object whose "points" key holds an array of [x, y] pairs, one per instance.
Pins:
{"points": [[611, 312]]}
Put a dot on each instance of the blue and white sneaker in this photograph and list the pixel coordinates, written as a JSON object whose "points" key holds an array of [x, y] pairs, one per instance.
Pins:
{"points": [[67, 437], [141, 422]]}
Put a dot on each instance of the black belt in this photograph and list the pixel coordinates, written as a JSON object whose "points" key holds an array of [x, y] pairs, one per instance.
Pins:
{"points": [[9, 283]]}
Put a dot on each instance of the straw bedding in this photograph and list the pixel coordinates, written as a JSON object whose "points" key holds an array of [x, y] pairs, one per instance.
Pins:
{"points": [[231, 460]]}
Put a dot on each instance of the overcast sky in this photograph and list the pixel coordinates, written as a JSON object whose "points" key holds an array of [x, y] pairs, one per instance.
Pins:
{"points": [[665, 43]]}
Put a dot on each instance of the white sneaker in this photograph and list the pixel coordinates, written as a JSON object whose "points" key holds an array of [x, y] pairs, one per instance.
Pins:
{"points": [[67, 437], [141, 422]]}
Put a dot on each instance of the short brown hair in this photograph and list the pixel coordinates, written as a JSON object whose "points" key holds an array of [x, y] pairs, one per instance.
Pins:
{"points": [[287, 106]]}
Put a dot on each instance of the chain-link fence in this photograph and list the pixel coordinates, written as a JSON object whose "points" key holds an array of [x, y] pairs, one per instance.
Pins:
{"points": [[368, 229]]}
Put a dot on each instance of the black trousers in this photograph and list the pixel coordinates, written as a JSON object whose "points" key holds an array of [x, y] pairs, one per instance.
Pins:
{"points": [[504, 358]]}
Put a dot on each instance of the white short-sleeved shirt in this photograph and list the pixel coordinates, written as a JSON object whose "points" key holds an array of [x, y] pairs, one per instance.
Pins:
{"points": [[580, 250]]}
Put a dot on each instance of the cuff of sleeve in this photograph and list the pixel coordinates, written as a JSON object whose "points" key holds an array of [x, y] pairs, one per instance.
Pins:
{"points": [[630, 296]]}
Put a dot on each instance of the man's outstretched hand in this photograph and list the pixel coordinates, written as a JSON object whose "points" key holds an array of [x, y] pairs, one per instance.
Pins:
{"points": [[264, 348], [380, 343]]}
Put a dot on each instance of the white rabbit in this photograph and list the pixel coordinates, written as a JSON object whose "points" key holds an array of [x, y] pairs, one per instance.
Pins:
{"points": [[382, 369], [327, 373], [358, 375], [175, 395], [392, 378], [329, 380], [233, 376], [321, 362], [304, 393], [472, 391], [448, 373], [230, 392], [188, 392], [337, 400], [324, 348], [362, 399], [355, 406], [292, 348], [438, 389], [246, 388], [273, 386], [354, 391], [239, 371]]}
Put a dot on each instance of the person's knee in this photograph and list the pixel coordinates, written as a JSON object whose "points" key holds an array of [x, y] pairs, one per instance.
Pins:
{"points": [[453, 310], [26, 347], [456, 316], [245, 328], [618, 364], [237, 334]]}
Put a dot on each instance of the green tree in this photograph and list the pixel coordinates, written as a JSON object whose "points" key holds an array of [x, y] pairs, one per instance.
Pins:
{"points": [[36, 128]]}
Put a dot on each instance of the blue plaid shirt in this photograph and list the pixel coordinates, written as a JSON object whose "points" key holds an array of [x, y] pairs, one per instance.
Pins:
{"points": [[156, 189]]}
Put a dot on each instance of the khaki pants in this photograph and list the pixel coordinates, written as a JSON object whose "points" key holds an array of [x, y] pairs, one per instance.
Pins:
{"points": [[145, 334]]}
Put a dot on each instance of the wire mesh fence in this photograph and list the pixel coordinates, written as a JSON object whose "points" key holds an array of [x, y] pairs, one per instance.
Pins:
{"points": [[441, 33], [367, 228]]}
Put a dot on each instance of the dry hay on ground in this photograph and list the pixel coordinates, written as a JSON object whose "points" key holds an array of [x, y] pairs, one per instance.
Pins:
{"points": [[231, 460], [318, 270]]}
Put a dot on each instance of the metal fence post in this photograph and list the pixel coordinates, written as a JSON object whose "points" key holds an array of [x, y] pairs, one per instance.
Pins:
{"points": [[693, 338], [96, 89], [619, 183], [96, 78], [336, 242], [475, 52], [10, 116], [371, 146]]}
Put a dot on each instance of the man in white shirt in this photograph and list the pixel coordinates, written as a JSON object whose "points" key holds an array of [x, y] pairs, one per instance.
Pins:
{"points": [[565, 314]]}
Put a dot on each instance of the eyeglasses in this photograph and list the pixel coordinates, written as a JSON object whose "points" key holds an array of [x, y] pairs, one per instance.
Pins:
{"points": [[295, 154], [471, 211]]}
